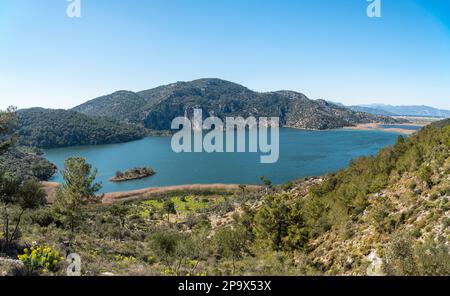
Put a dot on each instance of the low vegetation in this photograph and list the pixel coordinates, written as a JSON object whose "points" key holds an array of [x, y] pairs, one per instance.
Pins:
{"points": [[387, 214]]}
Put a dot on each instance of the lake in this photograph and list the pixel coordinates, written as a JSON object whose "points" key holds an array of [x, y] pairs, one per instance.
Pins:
{"points": [[405, 127], [302, 154]]}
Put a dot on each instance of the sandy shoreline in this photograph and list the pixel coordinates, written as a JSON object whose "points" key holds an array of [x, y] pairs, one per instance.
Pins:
{"points": [[377, 127], [111, 197]]}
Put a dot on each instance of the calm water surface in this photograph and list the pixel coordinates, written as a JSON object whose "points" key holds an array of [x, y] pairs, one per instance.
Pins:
{"points": [[405, 127], [302, 153]]}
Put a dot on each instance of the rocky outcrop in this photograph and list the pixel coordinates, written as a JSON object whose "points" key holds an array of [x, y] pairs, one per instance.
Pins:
{"points": [[156, 108]]}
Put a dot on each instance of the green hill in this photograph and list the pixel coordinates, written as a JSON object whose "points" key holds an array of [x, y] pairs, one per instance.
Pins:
{"points": [[47, 128], [384, 214], [25, 163], [156, 108]]}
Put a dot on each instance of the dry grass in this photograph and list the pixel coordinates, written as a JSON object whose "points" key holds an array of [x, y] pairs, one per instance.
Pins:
{"points": [[108, 198]]}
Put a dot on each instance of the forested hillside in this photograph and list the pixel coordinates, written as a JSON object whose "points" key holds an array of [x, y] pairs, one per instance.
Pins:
{"points": [[47, 128], [25, 163], [388, 214], [156, 108], [20, 163]]}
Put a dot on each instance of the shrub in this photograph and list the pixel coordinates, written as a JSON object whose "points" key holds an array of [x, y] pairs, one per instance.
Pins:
{"points": [[280, 223], [231, 243], [425, 173], [399, 257], [191, 220], [446, 222], [224, 207], [42, 217], [416, 233], [287, 186], [404, 257], [434, 196], [40, 258], [433, 258]]}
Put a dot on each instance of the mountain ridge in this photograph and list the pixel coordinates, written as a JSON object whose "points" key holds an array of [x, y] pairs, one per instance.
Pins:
{"points": [[403, 110], [155, 108]]}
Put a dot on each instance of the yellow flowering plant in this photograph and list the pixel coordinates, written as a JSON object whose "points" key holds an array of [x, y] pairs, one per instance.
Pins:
{"points": [[124, 260], [40, 258]]}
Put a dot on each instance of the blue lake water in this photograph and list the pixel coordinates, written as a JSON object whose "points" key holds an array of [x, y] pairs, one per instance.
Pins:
{"points": [[302, 153], [405, 127]]}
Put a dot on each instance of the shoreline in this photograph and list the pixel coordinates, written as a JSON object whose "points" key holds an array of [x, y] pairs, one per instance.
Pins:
{"points": [[377, 127], [50, 189], [166, 133]]}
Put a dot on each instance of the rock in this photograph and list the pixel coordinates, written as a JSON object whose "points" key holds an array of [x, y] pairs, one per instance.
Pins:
{"points": [[10, 261], [375, 267]]}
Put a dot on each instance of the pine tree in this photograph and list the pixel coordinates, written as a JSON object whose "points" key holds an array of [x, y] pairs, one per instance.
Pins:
{"points": [[6, 137], [78, 190]]}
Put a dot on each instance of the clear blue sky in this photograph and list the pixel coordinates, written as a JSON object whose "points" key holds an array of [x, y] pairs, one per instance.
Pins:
{"points": [[324, 48]]}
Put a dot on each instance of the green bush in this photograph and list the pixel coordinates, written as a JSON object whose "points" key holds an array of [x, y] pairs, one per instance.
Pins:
{"points": [[40, 259], [405, 256], [42, 217]]}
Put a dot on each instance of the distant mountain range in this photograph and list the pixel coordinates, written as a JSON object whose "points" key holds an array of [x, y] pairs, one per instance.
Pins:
{"points": [[389, 110], [156, 108], [126, 116]]}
